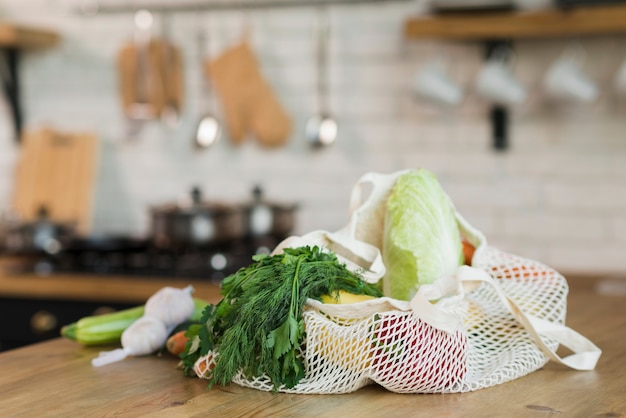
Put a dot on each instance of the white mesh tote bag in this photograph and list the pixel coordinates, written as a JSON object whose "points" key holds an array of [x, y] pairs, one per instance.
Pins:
{"points": [[487, 323]]}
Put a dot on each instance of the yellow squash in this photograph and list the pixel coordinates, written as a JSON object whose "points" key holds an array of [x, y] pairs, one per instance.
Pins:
{"points": [[340, 344], [342, 298]]}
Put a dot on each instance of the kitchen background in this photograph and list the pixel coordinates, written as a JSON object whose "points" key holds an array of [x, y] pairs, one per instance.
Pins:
{"points": [[557, 194]]}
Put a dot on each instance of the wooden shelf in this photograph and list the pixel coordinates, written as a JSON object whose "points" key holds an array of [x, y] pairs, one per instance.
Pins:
{"points": [[593, 20], [13, 40], [22, 37]]}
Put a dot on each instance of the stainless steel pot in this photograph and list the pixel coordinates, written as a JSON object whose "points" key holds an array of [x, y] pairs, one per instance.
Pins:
{"points": [[40, 236], [269, 218], [198, 223]]}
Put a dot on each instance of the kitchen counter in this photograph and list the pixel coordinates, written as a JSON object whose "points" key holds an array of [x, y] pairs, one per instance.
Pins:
{"points": [[55, 378], [96, 288]]}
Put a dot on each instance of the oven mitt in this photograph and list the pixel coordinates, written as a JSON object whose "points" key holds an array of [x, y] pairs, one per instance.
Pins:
{"points": [[248, 102], [269, 122]]}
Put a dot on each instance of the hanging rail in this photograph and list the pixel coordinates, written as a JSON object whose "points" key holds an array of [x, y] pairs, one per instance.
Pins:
{"points": [[94, 7]]}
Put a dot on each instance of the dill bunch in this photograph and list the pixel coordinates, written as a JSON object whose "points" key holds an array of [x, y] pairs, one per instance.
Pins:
{"points": [[257, 328]]}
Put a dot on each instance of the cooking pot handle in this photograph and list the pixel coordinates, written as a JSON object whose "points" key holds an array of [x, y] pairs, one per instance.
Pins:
{"points": [[358, 256]]}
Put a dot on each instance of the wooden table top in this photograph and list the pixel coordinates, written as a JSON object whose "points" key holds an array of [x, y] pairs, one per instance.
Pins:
{"points": [[55, 378]]}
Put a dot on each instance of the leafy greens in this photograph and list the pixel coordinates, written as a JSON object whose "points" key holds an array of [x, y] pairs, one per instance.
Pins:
{"points": [[257, 328], [421, 239]]}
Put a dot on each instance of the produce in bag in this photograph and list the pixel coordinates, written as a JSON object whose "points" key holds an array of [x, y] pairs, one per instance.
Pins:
{"points": [[451, 327], [421, 239], [258, 328], [412, 356]]}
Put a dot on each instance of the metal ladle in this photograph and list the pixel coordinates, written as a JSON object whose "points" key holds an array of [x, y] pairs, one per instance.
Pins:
{"points": [[321, 129], [209, 128]]}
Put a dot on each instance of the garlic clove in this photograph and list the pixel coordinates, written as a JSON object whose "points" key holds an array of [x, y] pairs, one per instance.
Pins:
{"points": [[171, 305], [144, 336]]}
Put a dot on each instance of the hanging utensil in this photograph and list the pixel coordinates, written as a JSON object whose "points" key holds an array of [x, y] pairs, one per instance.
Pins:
{"points": [[141, 108], [209, 129], [321, 129], [170, 77]]}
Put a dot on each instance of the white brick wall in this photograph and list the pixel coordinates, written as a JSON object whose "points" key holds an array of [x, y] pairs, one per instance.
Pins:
{"points": [[558, 195]]}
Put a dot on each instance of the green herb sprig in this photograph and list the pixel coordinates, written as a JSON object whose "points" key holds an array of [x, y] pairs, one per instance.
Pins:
{"points": [[257, 328]]}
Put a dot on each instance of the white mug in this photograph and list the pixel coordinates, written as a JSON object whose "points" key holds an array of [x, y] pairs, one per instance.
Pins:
{"points": [[566, 79], [432, 83], [496, 83]]}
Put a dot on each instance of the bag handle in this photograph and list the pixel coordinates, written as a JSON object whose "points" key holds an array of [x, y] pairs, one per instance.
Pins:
{"points": [[358, 256], [370, 210], [586, 354]]}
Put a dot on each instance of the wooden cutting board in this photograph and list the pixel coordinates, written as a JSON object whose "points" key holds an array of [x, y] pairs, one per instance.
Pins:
{"points": [[56, 171]]}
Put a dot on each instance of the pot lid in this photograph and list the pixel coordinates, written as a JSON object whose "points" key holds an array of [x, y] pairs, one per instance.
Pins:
{"points": [[43, 219], [195, 203], [258, 199]]}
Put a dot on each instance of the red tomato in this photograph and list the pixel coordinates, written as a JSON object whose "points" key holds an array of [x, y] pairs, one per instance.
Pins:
{"points": [[411, 356]]}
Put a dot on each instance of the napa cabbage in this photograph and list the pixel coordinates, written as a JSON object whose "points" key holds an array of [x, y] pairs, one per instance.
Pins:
{"points": [[421, 238]]}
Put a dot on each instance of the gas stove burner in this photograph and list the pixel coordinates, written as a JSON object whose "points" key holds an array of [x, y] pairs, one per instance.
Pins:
{"points": [[104, 243]]}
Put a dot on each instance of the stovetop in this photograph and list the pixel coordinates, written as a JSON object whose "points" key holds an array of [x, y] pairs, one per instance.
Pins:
{"points": [[138, 257]]}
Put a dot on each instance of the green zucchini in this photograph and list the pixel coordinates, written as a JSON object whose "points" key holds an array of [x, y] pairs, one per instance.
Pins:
{"points": [[108, 328]]}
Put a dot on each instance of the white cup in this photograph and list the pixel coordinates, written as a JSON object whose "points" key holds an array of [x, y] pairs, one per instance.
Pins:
{"points": [[496, 83], [566, 79], [432, 83]]}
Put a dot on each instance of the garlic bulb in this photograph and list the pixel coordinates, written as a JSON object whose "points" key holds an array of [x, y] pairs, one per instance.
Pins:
{"points": [[144, 336], [163, 312], [170, 305]]}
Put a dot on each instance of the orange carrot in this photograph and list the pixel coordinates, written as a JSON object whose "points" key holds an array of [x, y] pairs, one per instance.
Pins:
{"points": [[468, 252], [176, 343], [204, 365]]}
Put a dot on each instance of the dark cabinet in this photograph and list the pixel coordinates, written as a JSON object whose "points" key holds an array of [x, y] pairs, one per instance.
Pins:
{"points": [[27, 321]]}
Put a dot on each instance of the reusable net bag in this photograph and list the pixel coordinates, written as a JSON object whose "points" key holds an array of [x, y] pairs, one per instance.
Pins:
{"points": [[492, 322]]}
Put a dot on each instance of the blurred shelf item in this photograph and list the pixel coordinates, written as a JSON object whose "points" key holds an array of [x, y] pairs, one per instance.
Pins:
{"points": [[94, 7], [501, 27], [56, 170], [23, 37], [13, 40], [592, 20]]}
